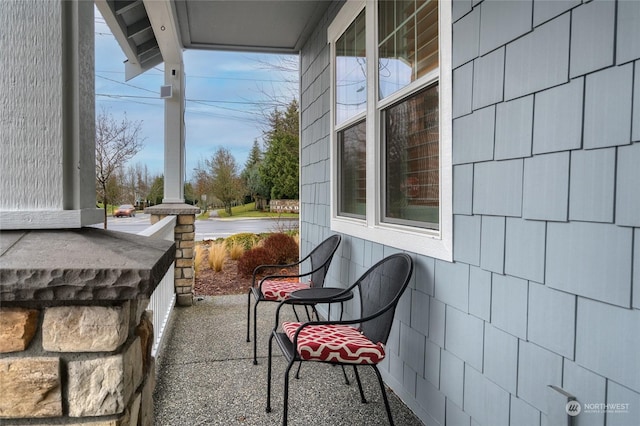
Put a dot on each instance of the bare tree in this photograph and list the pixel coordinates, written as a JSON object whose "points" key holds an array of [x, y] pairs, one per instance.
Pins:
{"points": [[116, 143], [287, 69], [202, 185], [225, 182]]}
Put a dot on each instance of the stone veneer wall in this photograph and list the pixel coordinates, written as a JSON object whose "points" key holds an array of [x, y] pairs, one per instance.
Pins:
{"points": [[79, 365], [75, 336]]}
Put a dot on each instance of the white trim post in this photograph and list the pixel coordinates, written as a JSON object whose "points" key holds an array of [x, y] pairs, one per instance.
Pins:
{"points": [[174, 143]]}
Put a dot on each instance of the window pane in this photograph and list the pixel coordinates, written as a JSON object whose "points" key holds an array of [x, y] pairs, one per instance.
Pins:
{"points": [[427, 36], [352, 172], [412, 161], [351, 71], [408, 42]]}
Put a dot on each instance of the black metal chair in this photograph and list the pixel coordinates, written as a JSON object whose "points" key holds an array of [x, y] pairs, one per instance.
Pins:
{"points": [[278, 287], [354, 342]]}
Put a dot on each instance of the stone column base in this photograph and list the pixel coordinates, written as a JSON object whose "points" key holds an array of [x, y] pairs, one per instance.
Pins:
{"points": [[185, 240]]}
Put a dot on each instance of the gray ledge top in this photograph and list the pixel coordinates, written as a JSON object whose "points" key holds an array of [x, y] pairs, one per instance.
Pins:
{"points": [[85, 264], [173, 209]]}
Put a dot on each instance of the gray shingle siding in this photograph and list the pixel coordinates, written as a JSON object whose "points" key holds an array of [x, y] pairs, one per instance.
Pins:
{"points": [[545, 284], [488, 77], [592, 185], [592, 37], [558, 118], [514, 124], [538, 60], [628, 42], [501, 22], [607, 115]]}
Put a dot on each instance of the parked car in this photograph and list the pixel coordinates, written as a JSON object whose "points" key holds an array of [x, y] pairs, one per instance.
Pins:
{"points": [[125, 210]]}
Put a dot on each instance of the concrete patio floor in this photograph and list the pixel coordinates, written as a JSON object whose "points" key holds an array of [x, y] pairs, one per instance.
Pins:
{"points": [[206, 376]]}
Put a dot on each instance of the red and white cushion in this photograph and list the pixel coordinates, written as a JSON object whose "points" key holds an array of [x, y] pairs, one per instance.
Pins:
{"points": [[334, 343], [279, 290]]}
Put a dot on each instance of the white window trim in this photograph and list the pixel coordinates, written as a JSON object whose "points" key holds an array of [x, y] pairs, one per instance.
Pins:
{"points": [[437, 244]]}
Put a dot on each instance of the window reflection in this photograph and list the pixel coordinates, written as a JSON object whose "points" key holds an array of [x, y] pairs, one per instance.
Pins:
{"points": [[408, 42], [412, 160], [352, 171], [351, 71]]}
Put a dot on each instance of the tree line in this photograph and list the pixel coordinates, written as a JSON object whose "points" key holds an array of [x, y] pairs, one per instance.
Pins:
{"points": [[270, 172]]}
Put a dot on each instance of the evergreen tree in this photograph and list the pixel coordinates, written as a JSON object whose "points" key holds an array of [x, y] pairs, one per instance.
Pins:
{"points": [[255, 155], [252, 179], [280, 168]]}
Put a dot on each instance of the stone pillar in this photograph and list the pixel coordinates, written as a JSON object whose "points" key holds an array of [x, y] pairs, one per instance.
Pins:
{"points": [[75, 336], [185, 241], [92, 346]]}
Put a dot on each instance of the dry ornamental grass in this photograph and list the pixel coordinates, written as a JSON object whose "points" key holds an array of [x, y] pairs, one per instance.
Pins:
{"points": [[225, 280]]}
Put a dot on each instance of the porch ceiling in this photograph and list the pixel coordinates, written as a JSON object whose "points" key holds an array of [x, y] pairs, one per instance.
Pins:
{"points": [[278, 26], [153, 31]]}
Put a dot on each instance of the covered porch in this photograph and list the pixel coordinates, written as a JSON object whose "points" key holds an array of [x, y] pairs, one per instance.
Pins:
{"points": [[206, 376]]}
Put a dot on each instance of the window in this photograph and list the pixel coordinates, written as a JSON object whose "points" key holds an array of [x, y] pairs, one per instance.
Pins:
{"points": [[391, 124], [412, 166]]}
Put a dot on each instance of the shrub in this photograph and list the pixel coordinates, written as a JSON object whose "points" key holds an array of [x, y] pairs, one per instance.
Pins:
{"points": [[253, 258], [282, 248], [245, 239], [235, 250], [217, 255]]}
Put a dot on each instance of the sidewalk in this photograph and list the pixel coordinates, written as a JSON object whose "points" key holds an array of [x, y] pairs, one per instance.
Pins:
{"points": [[206, 376]]}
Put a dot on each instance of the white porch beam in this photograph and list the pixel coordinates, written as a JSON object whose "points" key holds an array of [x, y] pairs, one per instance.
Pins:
{"points": [[164, 23], [174, 140]]}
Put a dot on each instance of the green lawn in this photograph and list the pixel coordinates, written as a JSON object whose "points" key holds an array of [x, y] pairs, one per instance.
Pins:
{"points": [[249, 210]]}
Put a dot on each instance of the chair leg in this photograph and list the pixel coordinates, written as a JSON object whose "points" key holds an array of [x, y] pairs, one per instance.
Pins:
{"points": [[346, 378], [269, 374], [362, 398], [248, 314], [285, 410], [306, 309], [295, 312], [298, 371], [255, 333], [384, 394]]}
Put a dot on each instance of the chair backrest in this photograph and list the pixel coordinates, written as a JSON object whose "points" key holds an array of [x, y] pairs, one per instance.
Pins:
{"points": [[380, 289], [320, 258]]}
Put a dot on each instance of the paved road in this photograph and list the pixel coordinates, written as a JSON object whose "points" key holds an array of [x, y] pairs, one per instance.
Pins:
{"points": [[206, 229]]}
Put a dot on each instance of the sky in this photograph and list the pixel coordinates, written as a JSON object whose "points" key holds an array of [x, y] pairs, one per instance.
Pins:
{"points": [[226, 95]]}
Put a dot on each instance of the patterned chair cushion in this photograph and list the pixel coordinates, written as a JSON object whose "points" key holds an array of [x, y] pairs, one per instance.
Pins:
{"points": [[279, 290], [334, 343]]}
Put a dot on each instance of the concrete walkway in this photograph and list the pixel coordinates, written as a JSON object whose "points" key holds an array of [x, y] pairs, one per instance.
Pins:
{"points": [[206, 376]]}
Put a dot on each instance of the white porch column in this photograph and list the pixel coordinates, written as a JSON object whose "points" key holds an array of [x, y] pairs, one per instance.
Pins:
{"points": [[174, 134], [47, 115]]}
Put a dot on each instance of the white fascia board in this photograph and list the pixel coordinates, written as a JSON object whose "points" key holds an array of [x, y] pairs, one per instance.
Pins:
{"points": [[132, 69], [116, 30]]}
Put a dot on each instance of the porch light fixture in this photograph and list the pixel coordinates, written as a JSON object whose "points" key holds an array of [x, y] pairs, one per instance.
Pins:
{"points": [[166, 92]]}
